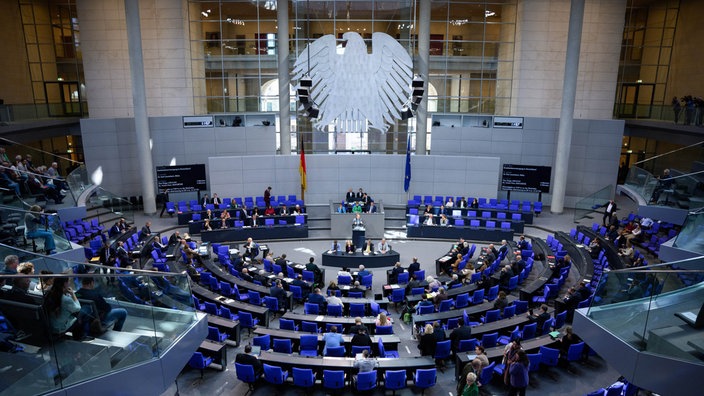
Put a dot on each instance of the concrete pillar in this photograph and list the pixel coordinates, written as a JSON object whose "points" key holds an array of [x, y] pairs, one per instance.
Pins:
{"points": [[569, 91], [422, 70], [284, 77], [139, 101]]}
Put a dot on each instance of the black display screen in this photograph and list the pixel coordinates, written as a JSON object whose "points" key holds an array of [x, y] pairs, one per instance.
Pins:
{"points": [[181, 178], [527, 178]]}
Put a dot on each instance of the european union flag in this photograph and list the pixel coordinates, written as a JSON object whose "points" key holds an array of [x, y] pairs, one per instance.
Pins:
{"points": [[407, 179]]}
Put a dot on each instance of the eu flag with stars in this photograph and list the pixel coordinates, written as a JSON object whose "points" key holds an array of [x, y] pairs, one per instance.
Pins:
{"points": [[407, 179]]}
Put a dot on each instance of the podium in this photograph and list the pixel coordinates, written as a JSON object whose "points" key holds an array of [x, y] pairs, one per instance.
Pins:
{"points": [[358, 236]]}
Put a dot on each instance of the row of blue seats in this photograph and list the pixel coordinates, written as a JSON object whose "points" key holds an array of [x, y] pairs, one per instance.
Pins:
{"points": [[80, 230], [247, 202], [492, 203], [336, 379], [415, 220], [471, 213]]}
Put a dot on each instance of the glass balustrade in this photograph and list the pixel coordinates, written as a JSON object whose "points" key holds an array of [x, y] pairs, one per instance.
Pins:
{"points": [[691, 237], [650, 308], [34, 230], [157, 309], [592, 203]]}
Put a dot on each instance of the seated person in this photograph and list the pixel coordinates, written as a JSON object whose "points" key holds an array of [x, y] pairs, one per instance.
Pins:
{"points": [[362, 272], [36, 227], [429, 220], [251, 249], [357, 288], [356, 208], [106, 314], [393, 277], [249, 359], [349, 247], [341, 209], [269, 211], [383, 247], [64, 311], [368, 247], [335, 247], [541, 318], [317, 298], [443, 220], [48, 190], [332, 339], [224, 217], [364, 364]]}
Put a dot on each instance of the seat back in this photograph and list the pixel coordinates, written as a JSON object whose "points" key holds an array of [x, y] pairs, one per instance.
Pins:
{"points": [[534, 359], [492, 315], [283, 346], [529, 331], [402, 278], [274, 374], [425, 378], [309, 327], [309, 342], [549, 356], [245, 373], [487, 374], [335, 351], [443, 349], [263, 341], [333, 379], [287, 324], [509, 311], [311, 309], [467, 345], [445, 305], [303, 377], [575, 352], [521, 306], [395, 379], [379, 330], [489, 340], [335, 310], [366, 381]]}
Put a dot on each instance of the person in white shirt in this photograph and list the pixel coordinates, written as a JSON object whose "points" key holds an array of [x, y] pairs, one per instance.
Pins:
{"points": [[429, 220], [383, 247], [333, 300], [450, 203]]}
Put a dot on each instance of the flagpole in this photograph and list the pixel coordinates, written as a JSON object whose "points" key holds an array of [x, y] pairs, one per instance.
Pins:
{"points": [[302, 167]]}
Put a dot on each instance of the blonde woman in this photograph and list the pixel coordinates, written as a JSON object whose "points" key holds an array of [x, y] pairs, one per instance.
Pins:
{"points": [[428, 342], [383, 320]]}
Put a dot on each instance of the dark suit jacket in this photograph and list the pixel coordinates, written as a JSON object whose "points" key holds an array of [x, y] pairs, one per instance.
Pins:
{"points": [[280, 295], [460, 333], [244, 358]]}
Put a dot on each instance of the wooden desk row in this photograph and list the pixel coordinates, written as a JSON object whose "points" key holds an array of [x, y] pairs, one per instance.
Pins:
{"points": [[345, 321], [318, 364], [391, 340], [259, 312], [472, 310]]}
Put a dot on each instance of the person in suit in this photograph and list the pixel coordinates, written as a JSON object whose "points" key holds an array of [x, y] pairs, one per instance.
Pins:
{"points": [[249, 359], [205, 200], [350, 196], [357, 221], [414, 266], [341, 209], [250, 249], [146, 231], [305, 288], [267, 196], [123, 255], [335, 247], [393, 277], [283, 263], [358, 327], [283, 211], [175, 238], [114, 230], [462, 332], [368, 247], [277, 291], [361, 338], [360, 195], [541, 318], [371, 208], [317, 298], [216, 200]]}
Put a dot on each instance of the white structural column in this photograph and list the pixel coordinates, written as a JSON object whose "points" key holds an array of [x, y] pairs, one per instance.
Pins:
{"points": [[569, 91], [139, 100], [423, 62], [284, 77]]}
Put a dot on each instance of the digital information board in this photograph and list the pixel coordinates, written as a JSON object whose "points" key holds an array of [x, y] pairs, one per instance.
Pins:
{"points": [[181, 178], [526, 178]]}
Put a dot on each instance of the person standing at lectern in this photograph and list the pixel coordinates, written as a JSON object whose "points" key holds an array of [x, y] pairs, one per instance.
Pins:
{"points": [[357, 221]]}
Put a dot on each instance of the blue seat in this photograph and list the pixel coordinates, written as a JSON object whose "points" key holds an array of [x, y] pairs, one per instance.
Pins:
{"points": [[467, 345], [263, 341], [225, 312], [384, 330], [309, 327], [357, 309], [211, 308], [272, 303], [274, 374], [574, 352], [303, 377], [214, 334], [333, 379], [311, 309], [491, 316], [335, 310], [443, 350], [451, 323], [308, 345], [529, 331], [296, 291], [425, 309], [283, 345], [515, 335], [493, 293], [365, 381], [246, 320], [445, 305], [462, 300], [487, 374], [489, 340], [356, 349], [344, 280], [384, 353], [402, 278], [335, 351], [245, 373], [398, 296], [478, 297], [395, 380], [198, 361], [254, 297], [287, 324], [560, 320], [425, 379], [521, 306], [509, 312]]}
